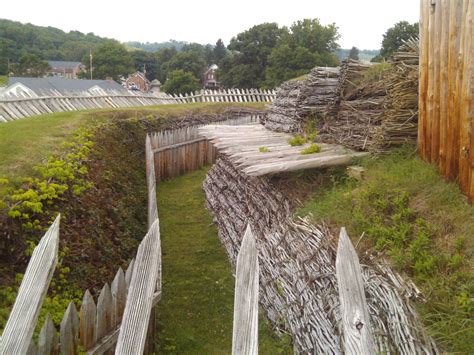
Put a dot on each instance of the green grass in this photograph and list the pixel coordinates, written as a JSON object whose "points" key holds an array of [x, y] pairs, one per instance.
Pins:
{"points": [[311, 149], [25, 142], [196, 310], [3, 80], [423, 224]]}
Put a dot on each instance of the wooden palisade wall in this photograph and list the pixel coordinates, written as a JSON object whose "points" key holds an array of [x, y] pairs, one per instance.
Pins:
{"points": [[446, 90]]}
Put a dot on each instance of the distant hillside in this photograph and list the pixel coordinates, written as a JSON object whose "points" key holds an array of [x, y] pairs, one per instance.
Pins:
{"points": [[364, 54], [17, 39], [154, 47]]}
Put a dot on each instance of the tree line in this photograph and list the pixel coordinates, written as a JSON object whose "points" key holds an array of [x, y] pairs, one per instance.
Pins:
{"points": [[263, 56]]}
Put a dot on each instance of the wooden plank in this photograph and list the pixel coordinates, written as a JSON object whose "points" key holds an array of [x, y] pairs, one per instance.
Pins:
{"points": [[463, 98], [20, 326], [138, 308], [435, 126], [129, 272], [452, 151], [431, 83], [69, 331], [104, 313], [467, 96], [310, 163], [110, 340], [119, 296], [245, 325], [48, 339], [358, 337], [423, 79], [87, 322], [443, 107]]}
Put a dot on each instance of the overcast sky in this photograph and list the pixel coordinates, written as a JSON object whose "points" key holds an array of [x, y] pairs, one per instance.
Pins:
{"points": [[361, 23]]}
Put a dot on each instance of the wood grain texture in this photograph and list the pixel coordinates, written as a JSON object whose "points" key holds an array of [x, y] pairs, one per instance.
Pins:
{"points": [[245, 328], [446, 90], [13, 106], [87, 322], [358, 337], [241, 144], [48, 339], [18, 331], [69, 331], [139, 304], [104, 313]]}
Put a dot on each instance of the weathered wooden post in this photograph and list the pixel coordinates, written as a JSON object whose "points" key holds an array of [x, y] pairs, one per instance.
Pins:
{"points": [[358, 338], [245, 331], [21, 324]]}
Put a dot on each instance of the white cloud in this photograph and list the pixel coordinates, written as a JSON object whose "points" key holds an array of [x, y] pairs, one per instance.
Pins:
{"points": [[361, 23]]}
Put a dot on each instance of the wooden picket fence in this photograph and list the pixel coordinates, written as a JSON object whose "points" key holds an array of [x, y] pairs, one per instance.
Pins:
{"points": [[16, 107], [358, 337], [182, 150], [446, 90], [122, 318]]}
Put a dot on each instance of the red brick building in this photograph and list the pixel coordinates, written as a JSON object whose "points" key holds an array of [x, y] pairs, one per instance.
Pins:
{"points": [[138, 81], [209, 78]]}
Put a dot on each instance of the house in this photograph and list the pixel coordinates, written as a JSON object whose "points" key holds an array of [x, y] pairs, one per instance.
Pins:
{"points": [[31, 87], [209, 79], [137, 81], [63, 69]]}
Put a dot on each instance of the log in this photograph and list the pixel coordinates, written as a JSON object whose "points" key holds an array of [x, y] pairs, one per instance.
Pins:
{"points": [[358, 337]]}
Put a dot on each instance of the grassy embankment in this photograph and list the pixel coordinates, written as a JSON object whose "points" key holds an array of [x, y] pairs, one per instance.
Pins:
{"points": [[195, 314], [406, 211], [25, 142]]}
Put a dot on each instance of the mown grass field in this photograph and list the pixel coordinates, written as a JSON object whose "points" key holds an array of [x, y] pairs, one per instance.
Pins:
{"points": [[406, 211], [196, 311], [24, 143]]}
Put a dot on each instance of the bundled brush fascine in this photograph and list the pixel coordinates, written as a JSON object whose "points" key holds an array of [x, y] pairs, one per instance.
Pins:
{"points": [[400, 119], [298, 99], [358, 107]]}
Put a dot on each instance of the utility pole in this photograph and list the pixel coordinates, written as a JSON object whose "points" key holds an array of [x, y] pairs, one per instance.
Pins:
{"points": [[90, 62]]}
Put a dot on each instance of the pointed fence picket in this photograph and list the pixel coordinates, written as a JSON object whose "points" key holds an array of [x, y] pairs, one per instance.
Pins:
{"points": [[245, 328], [16, 337], [15, 107], [358, 337]]}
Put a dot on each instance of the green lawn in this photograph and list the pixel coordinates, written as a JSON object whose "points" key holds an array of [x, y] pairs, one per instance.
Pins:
{"points": [[3, 80], [408, 212], [25, 142], [196, 310]]}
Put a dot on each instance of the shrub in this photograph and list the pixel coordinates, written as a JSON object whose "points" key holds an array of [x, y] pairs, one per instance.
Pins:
{"points": [[297, 140], [313, 148]]}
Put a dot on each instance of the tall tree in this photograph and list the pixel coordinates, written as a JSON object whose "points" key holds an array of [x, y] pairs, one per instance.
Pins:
{"points": [[30, 66], [251, 48], [219, 51], [306, 45], [395, 37], [354, 53], [145, 61], [110, 59], [181, 82]]}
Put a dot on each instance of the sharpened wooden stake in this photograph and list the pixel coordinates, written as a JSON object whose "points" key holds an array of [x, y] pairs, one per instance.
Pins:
{"points": [[245, 330], [358, 338]]}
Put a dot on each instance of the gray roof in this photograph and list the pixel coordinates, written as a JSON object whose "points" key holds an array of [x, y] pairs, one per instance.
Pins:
{"points": [[59, 64], [61, 84]]}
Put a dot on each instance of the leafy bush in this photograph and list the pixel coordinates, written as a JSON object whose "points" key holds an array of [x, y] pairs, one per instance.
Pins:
{"points": [[313, 148], [263, 149], [297, 140]]}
